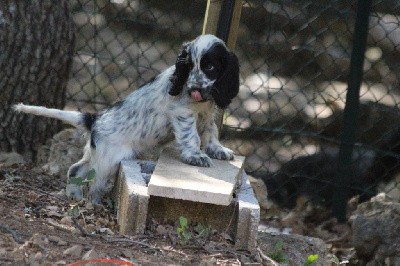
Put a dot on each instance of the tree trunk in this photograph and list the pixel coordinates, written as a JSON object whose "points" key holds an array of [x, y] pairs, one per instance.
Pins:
{"points": [[36, 46]]}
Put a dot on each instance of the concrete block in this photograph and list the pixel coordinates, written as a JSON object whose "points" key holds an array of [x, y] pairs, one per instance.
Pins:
{"points": [[248, 216], [174, 179], [239, 218], [131, 198]]}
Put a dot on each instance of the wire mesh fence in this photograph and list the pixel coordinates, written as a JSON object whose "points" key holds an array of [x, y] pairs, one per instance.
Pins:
{"points": [[122, 44], [295, 59]]}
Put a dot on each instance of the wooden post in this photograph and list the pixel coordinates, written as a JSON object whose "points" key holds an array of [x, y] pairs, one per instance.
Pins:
{"points": [[212, 25], [212, 17]]}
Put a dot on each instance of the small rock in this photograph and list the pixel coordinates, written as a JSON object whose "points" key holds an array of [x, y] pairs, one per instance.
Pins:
{"points": [[127, 253], [376, 229], [76, 232], [10, 158], [74, 251], [54, 214], [244, 260], [61, 151], [161, 230], [67, 220], [38, 256], [106, 230], [59, 193], [32, 196], [101, 221], [89, 205], [62, 243], [61, 262], [37, 240], [209, 262], [91, 254], [90, 228], [52, 208], [54, 239], [51, 169]]}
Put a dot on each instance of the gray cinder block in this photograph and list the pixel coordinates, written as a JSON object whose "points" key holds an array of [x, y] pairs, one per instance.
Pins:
{"points": [[239, 218], [131, 198], [248, 216]]}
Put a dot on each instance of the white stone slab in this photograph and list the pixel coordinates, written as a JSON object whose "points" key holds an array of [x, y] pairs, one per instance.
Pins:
{"points": [[174, 179]]}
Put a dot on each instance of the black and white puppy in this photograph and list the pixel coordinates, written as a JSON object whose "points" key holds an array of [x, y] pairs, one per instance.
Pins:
{"points": [[180, 102]]}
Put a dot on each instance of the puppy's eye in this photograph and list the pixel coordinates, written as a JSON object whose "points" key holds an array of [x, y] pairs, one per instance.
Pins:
{"points": [[209, 67]]}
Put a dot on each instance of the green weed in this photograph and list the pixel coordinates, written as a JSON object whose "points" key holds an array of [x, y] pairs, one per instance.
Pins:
{"points": [[278, 254], [311, 259], [183, 230]]}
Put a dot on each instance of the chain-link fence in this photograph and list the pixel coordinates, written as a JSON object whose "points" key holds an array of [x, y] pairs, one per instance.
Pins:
{"points": [[295, 58], [122, 44]]}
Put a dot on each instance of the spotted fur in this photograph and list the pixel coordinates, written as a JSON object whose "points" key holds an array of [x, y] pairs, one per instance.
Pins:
{"points": [[181, 102]]}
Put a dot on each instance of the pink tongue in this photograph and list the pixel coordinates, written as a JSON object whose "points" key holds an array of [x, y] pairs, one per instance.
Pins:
{"points": [[196, 96]]}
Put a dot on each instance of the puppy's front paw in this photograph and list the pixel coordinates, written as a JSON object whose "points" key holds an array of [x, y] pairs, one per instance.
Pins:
{"points": [[219, 152], [197, 159]]}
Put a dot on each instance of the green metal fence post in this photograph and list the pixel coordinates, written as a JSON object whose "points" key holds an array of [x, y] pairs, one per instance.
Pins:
{"points": [[351, 110]]}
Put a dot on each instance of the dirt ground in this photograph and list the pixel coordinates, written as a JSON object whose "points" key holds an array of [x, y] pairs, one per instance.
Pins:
{"points": [[40, 226]]}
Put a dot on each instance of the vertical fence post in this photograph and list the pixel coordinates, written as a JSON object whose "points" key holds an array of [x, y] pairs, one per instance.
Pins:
{"points": [[222, 19], [351, 110]]}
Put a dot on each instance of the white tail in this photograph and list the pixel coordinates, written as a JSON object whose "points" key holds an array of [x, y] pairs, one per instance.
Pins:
{"points": [[71, 117]]}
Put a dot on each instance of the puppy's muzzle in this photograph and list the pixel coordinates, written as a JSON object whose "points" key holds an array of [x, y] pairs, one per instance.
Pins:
{"points": [[196, 95]]}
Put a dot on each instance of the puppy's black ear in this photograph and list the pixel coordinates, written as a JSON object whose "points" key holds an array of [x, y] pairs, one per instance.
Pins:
{"points": [[227, 85], [182, 68]]}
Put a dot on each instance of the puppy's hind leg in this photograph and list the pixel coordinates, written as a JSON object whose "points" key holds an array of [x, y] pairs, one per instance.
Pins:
{"points": [[79, 169], [105, 163]]}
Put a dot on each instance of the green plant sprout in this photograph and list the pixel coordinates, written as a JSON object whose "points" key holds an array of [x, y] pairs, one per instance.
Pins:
{"points": [[335, 260], [74, 211], [311, 259], [80, 181], [183, 231], [278, 254]]}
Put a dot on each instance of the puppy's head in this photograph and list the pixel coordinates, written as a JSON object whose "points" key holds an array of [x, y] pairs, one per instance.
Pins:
{"points": [[206, 70]]}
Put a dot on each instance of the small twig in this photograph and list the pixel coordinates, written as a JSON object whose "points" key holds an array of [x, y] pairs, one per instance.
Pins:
{"points": [[213, 255], [236, 253], [126, 240], [337, 239], [130, 241], [266, 260], [58, 226], [194, 248], [5, 228], [174, 251]]}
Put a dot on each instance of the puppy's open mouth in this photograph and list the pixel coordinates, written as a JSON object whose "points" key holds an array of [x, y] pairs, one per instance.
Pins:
{"points": [[196, 96]]}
